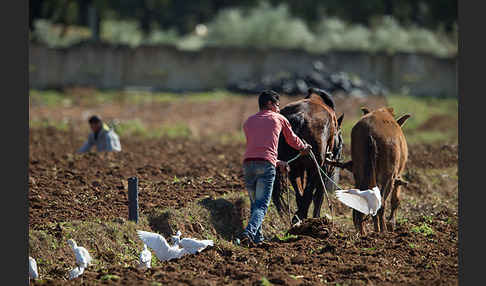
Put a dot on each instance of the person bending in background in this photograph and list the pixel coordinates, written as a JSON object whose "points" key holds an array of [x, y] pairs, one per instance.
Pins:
{"points": [[102, 136], [262, 131]]}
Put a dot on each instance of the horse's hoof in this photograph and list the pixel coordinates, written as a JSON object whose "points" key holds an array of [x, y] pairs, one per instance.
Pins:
{"points": [[296, 220]]}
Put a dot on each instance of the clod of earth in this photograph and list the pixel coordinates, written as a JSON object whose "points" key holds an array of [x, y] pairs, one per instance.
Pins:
{"points": [[314, 227]]}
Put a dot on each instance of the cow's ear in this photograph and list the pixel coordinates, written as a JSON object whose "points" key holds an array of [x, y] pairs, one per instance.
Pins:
{"points": [[340, 120], [403, 118], [365, 110]]}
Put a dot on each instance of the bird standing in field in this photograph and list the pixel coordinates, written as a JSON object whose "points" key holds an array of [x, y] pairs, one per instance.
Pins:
{"points": [[191, 245], [159, 245], [33, 273], [145, 258], [83, 259], [368, 201]]}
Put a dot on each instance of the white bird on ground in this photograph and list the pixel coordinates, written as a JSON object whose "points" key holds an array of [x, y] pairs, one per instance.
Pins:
{"points": [[83, 258], [191, 245], [76, 272], [159, 245], [145, 258], [33, 273], [367, 201]]}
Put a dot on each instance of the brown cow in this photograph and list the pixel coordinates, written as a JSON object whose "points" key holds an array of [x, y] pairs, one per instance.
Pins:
{"points": [[379, 154]]}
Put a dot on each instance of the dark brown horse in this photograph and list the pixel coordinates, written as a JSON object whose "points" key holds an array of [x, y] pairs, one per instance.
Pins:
{"points": [[313, 119]]}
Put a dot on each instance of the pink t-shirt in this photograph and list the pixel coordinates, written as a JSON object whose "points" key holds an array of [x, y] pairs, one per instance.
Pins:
{"points": [[262, 131]]}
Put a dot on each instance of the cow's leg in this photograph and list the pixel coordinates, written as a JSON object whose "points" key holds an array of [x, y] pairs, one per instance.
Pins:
{"points": [[387, 189], [395, 202], [375, 223], [358, 222], [381, 217], [376, 218]]}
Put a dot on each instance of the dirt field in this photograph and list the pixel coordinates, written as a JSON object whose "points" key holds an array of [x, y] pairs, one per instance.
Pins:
{"points": [[194, 183]]}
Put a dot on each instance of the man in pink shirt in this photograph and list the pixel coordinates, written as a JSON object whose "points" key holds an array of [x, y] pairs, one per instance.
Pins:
{"points": [[262, 131]]}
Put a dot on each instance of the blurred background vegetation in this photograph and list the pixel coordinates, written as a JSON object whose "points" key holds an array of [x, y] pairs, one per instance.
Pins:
{"points": [[416, 26]]}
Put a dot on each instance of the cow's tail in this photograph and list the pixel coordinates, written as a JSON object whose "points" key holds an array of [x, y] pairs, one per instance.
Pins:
{"points": [[372, 159], [369, 172]]}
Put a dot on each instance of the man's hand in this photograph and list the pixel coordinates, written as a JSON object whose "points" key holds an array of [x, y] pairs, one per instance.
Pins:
{"points": [[284, 166], [305, 151]]}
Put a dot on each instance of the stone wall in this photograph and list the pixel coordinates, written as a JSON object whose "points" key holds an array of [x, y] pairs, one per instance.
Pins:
{"points": [[166, 68]]}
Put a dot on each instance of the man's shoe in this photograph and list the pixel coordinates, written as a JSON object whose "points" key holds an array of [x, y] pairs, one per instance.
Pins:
{"points": [[244, 241]]}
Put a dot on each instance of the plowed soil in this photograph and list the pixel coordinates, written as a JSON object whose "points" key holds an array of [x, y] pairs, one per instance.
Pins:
{"points": [[64, 186], [171, 173], [377, 259]]}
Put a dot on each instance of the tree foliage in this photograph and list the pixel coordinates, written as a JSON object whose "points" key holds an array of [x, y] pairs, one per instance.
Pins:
{"points": [[259, 24], [183, 16]]}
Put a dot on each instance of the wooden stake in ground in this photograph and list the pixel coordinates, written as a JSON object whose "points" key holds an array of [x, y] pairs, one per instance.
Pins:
{"points": [[133, 199]]}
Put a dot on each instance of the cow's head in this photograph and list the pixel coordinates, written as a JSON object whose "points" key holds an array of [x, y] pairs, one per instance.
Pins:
{"points": [[335, 155], [338, 140], [365, 110]]}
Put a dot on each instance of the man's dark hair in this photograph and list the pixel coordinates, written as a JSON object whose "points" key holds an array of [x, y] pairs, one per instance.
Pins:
{"points": [[267, 95], [94, 119]]}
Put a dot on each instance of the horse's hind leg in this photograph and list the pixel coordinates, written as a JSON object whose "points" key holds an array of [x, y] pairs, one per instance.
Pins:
{"points": [[318, 199]]}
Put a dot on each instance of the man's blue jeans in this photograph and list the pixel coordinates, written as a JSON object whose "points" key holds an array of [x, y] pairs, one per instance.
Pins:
{"points": [[259, 178]]}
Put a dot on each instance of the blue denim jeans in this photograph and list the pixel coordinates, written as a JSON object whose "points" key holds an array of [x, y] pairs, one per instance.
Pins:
{"points": [[259, 178]]}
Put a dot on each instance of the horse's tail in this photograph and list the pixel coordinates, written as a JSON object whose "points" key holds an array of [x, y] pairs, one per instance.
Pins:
{"points": [[278, 193]]}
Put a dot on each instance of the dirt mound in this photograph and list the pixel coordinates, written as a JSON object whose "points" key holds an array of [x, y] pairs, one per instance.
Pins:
{"points": [[440, 122], [314, 227]]}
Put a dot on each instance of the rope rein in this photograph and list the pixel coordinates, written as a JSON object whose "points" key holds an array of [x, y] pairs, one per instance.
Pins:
{"points": [[323, 186], [320, 170]]}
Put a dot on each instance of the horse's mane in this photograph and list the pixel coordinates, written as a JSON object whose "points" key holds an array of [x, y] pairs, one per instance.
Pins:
{"points": [[326, 97]]}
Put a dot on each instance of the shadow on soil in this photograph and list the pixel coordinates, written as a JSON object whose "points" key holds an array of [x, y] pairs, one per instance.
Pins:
{"points": [[161, 224], [226, 216], [210, 218]]}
